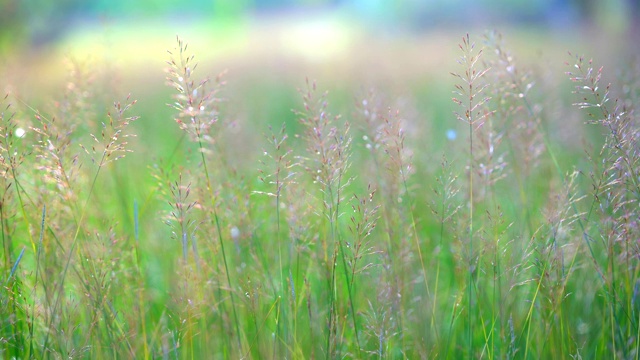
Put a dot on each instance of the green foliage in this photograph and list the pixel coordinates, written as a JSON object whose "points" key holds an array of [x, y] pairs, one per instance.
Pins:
{"points": [[335, 236]]}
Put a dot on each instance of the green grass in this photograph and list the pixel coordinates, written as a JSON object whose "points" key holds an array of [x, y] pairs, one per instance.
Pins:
{"points": [[268, 233]]}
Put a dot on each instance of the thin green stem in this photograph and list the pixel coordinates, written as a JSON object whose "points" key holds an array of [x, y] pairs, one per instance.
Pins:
{"points": [[418, 247], [72, 251], [141, 302], [470, 269], [35, 282], [344, 266], [220, 238]]}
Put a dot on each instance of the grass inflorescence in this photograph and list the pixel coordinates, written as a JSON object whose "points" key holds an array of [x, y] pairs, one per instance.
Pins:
{"points": [[350, 236]]}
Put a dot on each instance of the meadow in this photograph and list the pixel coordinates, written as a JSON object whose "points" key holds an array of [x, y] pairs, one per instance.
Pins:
{"points": [[484, 208]]}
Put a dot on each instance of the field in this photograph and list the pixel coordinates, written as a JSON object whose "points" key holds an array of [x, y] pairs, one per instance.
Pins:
{"points": [[452, 196]]}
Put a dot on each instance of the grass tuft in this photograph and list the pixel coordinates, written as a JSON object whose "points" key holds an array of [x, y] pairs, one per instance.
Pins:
{"points": [[358, 236]]}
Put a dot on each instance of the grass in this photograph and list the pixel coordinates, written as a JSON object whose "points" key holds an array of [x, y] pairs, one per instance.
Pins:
{"points": [[331, 236]]}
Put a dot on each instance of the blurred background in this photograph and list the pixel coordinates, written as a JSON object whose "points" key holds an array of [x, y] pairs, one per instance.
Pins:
{"points": [[406, 49], [301, 30], [41, 22]]}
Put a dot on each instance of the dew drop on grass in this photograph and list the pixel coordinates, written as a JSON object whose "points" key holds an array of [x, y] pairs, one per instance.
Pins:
{"points": [[20, 132], [235, 233], [583, 328]]}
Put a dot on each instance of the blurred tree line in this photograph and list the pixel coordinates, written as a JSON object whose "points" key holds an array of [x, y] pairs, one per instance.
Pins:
{"points": [[36, 22]]}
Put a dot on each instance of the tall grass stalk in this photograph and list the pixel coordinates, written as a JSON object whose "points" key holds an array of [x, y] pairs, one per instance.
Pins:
{"points": [[444, 206], [35, 282], [617, 193], [280, 177], [379, 143], [328, 160], [469, 95], [110, 147], [385, 139], [12, 156], [393, 140], [197, 107], [141, 281], [529, 249]]}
